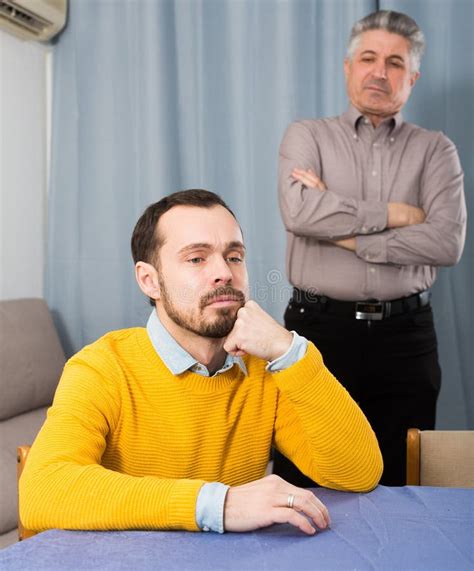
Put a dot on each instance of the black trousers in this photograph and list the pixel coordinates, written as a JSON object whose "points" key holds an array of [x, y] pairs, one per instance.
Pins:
{"points": [[390, 368]]}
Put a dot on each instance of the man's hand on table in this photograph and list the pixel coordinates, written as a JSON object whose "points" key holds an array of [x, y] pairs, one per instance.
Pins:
{"points": [[265, 502]]}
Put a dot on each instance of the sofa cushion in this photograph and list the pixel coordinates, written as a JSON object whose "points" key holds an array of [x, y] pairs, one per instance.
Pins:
{"points": [[9, 538], [31, 356], [15, 431]]}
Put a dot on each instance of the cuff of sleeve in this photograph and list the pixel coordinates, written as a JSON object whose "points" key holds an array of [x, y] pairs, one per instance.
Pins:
{"points": [[210, 507], [371, 217], [307, 368], [372, 248], [295, 352]]}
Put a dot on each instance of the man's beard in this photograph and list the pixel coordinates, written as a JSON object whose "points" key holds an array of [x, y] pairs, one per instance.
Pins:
{"points": [[195, 322]]}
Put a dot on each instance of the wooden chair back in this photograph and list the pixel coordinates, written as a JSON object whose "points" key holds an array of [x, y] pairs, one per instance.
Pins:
{"points": [[22, 455], [441, 458]]}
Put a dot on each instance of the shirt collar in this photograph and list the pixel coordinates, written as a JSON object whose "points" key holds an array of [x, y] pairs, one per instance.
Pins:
{"points": [[177, 359], [353, 116]]}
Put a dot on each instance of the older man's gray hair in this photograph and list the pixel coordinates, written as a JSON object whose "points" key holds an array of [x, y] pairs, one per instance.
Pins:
{"points": [[395, 23]]}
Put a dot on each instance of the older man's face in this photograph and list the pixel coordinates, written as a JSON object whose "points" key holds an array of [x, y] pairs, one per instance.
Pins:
{"points": [[378, 77]]}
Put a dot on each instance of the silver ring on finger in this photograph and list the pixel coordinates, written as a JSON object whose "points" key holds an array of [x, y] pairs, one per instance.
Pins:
{"points": [[290, 501]]}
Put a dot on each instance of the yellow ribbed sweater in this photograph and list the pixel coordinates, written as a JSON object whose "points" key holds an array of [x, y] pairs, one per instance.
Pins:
{"points": [[128, 445]]}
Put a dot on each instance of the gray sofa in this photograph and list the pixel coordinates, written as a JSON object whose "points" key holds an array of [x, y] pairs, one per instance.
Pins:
{"points": [[31, 362]]}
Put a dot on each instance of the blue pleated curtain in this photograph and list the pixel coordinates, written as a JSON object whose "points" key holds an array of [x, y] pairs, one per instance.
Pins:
{"points": [[153, 96]]}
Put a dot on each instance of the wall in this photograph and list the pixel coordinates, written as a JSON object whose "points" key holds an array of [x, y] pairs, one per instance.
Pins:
{"points": [[23, 144]]}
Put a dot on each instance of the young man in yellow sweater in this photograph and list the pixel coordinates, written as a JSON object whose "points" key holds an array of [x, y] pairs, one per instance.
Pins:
{"points": [[171, 426]]}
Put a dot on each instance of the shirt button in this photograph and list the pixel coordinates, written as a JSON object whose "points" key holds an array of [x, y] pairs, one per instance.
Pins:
{"points": [[374, 228], [205, 528], [374, 173], [366, 121], [301, 309], [372, 270], [392, 139], [375, 145], [364, 228], [354, 136]]}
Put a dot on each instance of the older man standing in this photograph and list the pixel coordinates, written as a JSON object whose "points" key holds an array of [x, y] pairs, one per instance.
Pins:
{"points": [[372, 206]]}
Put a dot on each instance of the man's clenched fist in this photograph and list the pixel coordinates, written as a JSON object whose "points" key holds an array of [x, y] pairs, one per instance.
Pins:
{"points": [[258, 334]]}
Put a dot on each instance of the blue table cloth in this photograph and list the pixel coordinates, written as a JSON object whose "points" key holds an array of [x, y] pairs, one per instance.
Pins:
{"points": [[410, 528]]}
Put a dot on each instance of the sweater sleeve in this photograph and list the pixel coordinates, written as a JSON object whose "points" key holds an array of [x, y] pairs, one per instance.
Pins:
{"points": [[322, 430], [64, 484]]}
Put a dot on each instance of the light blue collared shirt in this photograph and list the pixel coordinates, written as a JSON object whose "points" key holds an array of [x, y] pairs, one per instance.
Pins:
{"points": [[211, 497]]}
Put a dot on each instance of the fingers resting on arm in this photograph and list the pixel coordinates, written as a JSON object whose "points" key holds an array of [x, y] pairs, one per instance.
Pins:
{"points": [[401, 214], [309, 178]]}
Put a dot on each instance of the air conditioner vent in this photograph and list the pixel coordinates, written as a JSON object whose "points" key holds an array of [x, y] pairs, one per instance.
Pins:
{"points": [[33, 19], [22, 17]]}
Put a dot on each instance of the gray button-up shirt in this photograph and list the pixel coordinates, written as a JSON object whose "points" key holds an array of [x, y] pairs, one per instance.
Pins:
{"points": [[364, 169]]}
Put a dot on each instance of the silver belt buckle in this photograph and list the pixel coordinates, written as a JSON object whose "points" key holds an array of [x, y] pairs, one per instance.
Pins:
{"points": [[372, 311]]}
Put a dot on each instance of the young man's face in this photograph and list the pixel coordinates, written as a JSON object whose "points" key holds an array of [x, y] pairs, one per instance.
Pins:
{"points": [[378, 77], [203, 279]]}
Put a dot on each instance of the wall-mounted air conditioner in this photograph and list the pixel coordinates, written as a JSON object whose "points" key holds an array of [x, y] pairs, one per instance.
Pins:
{"points": [[37, 20]]}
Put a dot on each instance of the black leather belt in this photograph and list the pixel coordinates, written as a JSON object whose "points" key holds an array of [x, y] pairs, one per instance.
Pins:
{"points": [[371, 309]]}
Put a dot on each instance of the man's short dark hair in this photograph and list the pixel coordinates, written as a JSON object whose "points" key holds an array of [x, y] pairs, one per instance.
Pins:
{"points": [[146, 239]]}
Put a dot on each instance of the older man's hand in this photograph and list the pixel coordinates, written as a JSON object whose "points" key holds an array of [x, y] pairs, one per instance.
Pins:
{"points": [[401, 214], [273, 500], [309, 178]]}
